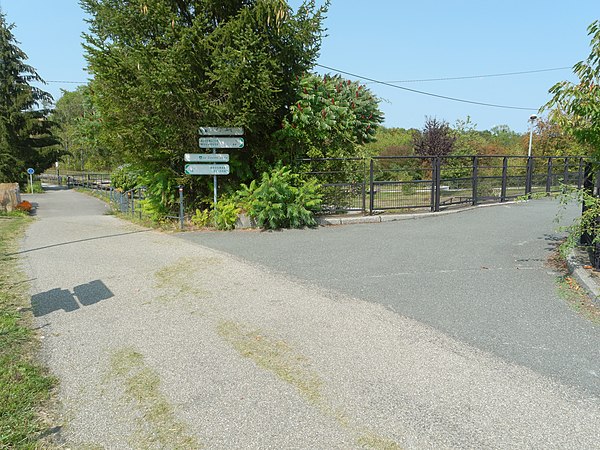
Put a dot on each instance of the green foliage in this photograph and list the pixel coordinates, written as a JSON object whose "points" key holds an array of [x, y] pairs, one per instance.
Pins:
{"points": [[161, 198], [26, 138], [332, 117], [586, 224], [281, 200], [125, 177], [549, 139], [224, 217], [226, 213], [162, 68], [576, 106], [78, 125], [202, 218], [391, 142]]}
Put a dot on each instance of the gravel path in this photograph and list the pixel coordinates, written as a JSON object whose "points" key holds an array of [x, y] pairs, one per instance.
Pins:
{"points": [[163, 343]]}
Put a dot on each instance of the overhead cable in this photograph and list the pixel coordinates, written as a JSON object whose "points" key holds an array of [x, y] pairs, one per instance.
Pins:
{"points": [[430, 94], [470, 77]]}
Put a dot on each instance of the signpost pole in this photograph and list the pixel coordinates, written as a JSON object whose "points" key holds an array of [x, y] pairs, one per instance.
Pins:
{"points": [[181, 212], [214, 150], [31, 182]]}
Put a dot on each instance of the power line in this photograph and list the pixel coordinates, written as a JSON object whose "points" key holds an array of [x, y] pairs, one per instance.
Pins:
{"points": [[454, 99], [66, 82], [470, 77]]}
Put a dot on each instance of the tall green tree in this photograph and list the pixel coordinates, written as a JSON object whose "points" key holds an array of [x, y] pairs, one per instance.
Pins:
{"points": [[26, 139], [162, 68], [575, 107]]}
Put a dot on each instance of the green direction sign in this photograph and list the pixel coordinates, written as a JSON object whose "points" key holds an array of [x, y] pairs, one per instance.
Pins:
{"points": [[221, 142], [210, 157], [207, 169], [221, 131]]}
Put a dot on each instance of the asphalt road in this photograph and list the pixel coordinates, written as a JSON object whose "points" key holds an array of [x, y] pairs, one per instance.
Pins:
{"points": [[162, 342], [479, 276]]}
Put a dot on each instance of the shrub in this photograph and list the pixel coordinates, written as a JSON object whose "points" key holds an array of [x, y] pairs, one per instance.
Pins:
{"points": [[223, 218], [281, 200], [161, 194], [125, 178], [226, 214], [586, 224], [202, 218]]}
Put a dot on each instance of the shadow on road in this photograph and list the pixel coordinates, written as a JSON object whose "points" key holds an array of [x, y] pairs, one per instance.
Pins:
{"points": [[75, 242], [56, 299]]}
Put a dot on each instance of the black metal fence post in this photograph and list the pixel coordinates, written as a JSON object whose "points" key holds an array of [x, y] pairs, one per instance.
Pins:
{"points": [[437, 177], [475, 179], [364, 186], [371, 188], [580, 174], [528, 175], [504, 179], [549, 177]]}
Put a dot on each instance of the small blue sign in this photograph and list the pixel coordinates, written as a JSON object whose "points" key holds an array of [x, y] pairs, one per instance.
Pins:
{"points": [[30, 171]]}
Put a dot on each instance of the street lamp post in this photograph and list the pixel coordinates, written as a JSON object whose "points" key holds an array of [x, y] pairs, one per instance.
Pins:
{"points": [[532, 119]]}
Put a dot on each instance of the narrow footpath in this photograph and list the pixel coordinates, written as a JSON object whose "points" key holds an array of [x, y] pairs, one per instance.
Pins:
{"points": [[161, 342]]}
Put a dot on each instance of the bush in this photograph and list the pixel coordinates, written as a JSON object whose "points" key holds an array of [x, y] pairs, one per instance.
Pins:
{"points": [[161, 194], [202, 218], [586, 224], [223, 218], [125, 178], [281, 200]]}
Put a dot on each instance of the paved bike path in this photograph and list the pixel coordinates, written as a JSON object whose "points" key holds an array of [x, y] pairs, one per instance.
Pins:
{"points": [[480, 275], [159, 342]]}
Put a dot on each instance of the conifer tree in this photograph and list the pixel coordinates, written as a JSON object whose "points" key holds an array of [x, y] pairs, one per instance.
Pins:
{"points": [[25, 136]]}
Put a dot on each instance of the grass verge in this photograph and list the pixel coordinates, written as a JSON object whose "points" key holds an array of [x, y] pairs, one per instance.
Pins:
{"points": [[569, 289], [24, 383]]}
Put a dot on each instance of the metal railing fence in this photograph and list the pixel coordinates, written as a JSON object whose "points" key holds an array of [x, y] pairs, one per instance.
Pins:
{"points": [[433, 183]]}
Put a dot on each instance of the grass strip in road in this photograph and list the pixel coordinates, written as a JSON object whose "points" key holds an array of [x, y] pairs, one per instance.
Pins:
{"points": [[276, 357], [280, 359], [158, 426], [24, 383]]}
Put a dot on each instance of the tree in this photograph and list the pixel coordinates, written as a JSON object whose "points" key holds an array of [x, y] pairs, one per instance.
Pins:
{"points": [[332, 117], [162, 68], [436, 138], [549, 139], [576, 106], [78, 127], [25, 133]]}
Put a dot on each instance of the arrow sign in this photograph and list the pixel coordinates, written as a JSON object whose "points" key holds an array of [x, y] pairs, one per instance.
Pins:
{"points": [[30, 171], [207, 169], [214, 157], [220, 131], [217, 142]]}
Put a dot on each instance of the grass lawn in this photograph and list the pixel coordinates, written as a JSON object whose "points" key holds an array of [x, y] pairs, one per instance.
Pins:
{"points": [[24, 383]]}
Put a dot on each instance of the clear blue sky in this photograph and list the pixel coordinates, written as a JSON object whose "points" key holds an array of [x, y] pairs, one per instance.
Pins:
{"points": [[389, 40]]}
